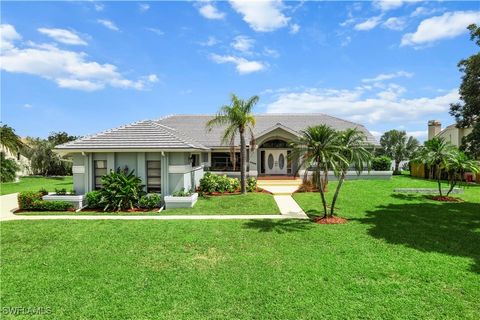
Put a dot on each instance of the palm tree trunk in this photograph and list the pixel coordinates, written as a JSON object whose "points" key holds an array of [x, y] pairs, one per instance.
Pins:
{"points": [[324, 201], [397, 165], [337, 191], [243, 163], [439, 171]]}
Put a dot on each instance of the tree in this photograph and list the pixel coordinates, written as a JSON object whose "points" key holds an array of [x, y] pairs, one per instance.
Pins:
{"points": [[10, 140], [236, 118], [397, 146], [319, 147], [457, 165], [352, 142], [467, 113], [8, 168], [57, 138], [436, 154]]}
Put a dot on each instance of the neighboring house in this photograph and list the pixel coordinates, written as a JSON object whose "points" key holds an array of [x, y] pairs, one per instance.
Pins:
{"points": [[172, 152], [22, 161], [451, 133]]}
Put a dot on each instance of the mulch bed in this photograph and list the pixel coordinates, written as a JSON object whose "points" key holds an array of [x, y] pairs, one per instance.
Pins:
{"points": [[445, 199], [128, 210], [330, 220]]}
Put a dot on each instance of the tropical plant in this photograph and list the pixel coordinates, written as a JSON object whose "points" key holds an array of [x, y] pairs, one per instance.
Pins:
{"points": [[251, 184], [120, 190], [10, 140], [457, 165], [8, 168], [397, 146], [60, 192], [182, 193], [150, 201], [236, 118], [382, 163], [435, 154], [94, 199], [352, 142], [208, 183], [318, 148]]}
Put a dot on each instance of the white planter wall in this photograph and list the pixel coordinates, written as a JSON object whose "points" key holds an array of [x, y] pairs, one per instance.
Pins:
{"points": [[172, 202]]}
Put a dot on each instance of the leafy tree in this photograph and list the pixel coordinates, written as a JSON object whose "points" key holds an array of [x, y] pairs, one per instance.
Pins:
{"points": [[236, 118], [10, 140], [57, 138], [352, 142], [467, 113], [319, 148], [457, 165], [397, 146], [8, 168], [121, 190], [436, 154]]}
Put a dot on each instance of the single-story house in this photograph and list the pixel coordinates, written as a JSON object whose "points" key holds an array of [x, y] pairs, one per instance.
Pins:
{"points": [[173, 152]]}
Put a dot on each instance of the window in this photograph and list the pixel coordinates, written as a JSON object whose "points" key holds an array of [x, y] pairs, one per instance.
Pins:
{"points": [[221, 162], [276, 143], [195, 157], [100, 169], [154, 183]]}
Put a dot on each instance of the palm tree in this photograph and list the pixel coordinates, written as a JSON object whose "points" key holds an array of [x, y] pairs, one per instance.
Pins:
{"points": [[10, 140], [457, 165], [396, 145], [236, 118], [353, 150], [319, 147], [436, 153]]}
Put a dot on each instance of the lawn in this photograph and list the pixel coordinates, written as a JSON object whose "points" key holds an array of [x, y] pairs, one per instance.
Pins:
{"points": [[35, 183], [399, 257]]}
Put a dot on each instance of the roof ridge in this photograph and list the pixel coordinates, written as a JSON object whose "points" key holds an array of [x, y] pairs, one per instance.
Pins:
{"points": [[179, 135]]}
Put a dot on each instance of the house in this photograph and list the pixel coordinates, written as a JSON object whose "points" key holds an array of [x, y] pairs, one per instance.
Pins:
{"points": [[451, 133], [173, 152]]}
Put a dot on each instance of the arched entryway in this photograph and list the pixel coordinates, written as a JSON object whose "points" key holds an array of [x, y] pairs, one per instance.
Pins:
{"points": [[274, 157]]}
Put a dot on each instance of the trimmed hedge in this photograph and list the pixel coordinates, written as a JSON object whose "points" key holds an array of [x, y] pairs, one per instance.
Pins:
{"points": [[93, 200], [221, 183], [150, 201], [29, 200], [383, 163]]}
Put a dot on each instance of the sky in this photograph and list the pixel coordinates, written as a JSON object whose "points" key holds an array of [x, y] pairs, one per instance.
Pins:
{"points": [[85, 66]]}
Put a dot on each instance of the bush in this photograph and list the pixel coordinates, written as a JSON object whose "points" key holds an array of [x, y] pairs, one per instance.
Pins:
{"points": [[150, 201], [93, 199], [182, 193], [251, 184], [383, 163], [223, 183], [234, 185], [218, 183], [60, 192], [41, 205], [121, 190], [8, 170], [27, 198], [43, 191], [208, 183]]}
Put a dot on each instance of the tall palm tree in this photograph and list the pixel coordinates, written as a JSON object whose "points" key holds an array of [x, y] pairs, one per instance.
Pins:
{"points": [[353, 150], [10, 140], [436, 153], [319, 147], [397, 146], [236, 118]]}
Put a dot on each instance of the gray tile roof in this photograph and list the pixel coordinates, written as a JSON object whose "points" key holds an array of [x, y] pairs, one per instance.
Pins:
{"points": [[188, 131], [145, 134], [194, 125]]}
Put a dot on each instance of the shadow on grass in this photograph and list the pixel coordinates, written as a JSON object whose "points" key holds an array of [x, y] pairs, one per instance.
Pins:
{"points": [[448, 228], [278, 226], [407, 197]]}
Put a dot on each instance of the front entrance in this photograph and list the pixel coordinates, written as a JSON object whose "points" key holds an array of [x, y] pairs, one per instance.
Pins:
{"points": [[276, 161]]}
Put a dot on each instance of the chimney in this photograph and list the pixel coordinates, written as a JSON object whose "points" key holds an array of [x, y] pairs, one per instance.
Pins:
{"points": [[434, 128]]}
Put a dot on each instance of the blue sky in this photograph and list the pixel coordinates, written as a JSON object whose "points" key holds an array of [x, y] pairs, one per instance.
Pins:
{"points": [[83, 67]]}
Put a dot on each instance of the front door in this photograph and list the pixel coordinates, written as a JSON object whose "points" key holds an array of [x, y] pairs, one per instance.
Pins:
{"points": [[276, 161]]}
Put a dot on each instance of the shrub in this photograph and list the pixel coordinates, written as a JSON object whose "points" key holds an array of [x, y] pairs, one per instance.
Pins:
{"points": [[93, 199], [8, 168], [43, 191], [73, 192], [218, 183], [223, 183], [251, 184], [41, 205], [182, 193], [208, 183], [121, 190], [383, 163], [60, 192], [234, 185], [27, 198], [150, 201]]}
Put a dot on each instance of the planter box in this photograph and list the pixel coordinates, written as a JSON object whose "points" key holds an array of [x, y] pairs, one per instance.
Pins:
{"points": [[78, 201], [180, 202]]}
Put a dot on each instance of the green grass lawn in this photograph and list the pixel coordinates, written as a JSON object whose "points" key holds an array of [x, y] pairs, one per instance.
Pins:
{"points": [[35, 183], [398, 257]]}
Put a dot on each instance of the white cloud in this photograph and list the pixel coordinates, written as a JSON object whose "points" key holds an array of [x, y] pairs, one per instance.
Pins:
{"points": [[99, 6], [346, 41], [395, 23], [68, 69], [368, 24], [359, 106], [424, 11], [421, 134], [158, 32], [143, 7], [209, 11], [27, 105], [242, 65], [448, 25], [294, 28], [261, 16], [108, 24], [271, 52], [388, 76], [242, 43], [210, 42], [63, 36], [386, 5]]}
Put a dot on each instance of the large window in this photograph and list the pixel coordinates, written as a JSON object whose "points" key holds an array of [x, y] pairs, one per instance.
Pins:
{"points": [[221, 162], [276, 143], [100, 169], [153, 176]]}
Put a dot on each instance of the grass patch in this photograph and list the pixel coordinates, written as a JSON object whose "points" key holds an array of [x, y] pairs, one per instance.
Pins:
{"points": [[398, 257], [36, 183]]}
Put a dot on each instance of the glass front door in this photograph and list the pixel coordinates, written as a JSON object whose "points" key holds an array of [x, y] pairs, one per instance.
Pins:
{"points": [[276, 161]]}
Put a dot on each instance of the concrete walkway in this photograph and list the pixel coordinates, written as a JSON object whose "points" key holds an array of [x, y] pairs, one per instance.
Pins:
{"points": [[282, 191], [8, 203]]}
